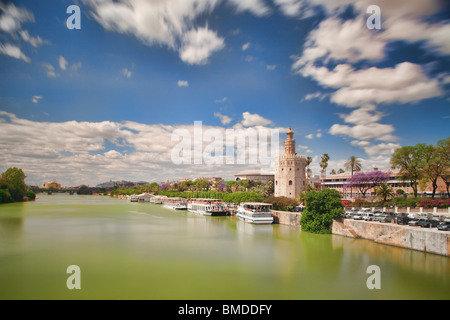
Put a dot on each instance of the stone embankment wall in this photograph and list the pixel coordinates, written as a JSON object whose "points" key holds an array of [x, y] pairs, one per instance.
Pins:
{"points": [[287, 218], [416, 238]]}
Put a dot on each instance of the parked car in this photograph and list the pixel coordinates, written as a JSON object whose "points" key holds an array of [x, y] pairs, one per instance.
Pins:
{"points": [[403, 220], [357, 216], [368, 216], [428, 223], [386, 218], [299, 209], [444, 226], [416, 222]]}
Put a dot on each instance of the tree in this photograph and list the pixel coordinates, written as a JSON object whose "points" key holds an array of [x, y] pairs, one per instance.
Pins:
{"points": [[385, 191], [324, 163], [366, 181], [269, 188], [84, 190], [409, 160], [239, 197], [322, 207], [282, 203], [445, 152], [436, 163], [352, 164], [341, 171], [333, 172], [308, 162], [13, 179]]}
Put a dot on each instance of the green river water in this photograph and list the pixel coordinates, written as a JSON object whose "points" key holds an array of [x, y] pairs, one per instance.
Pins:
{"points": [[142, 251]]}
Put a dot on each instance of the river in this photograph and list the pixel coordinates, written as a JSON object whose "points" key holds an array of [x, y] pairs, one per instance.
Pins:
{"points": [[143, 251]]}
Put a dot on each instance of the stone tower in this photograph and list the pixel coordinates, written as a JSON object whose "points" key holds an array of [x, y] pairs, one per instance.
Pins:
{"points": [[290, 170]]}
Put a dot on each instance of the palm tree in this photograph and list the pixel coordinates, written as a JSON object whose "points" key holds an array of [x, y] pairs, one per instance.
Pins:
{"points": [[308, 170], [385, 191], [324, 163], [353, 164]]}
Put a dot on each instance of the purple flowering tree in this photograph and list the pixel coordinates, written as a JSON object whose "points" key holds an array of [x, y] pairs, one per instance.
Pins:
{"points": [[366, 181], [164, 186], [222, 185]]}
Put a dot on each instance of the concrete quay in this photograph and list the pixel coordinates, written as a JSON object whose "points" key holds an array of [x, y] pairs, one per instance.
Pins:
{"points": [[416, 238]]}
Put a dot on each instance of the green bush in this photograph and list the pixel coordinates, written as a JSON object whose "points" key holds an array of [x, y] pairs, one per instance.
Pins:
{"points": [[282, 203], [239, 197], [406, 202], [31, 195], [5, 196], [322, 207]]}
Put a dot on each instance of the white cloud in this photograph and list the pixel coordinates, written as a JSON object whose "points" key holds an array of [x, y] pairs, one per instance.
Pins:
{"points": [[62, 63], [50, 70], [271, 67], [257, 7], [36, 99], [224, 99], [94, 151], [170, 23], [359, 143], [127, 73], [183, 83], [199, 44], [245, 46], [76, 66], [363, 115], [254, 120], [12, 17], [369, 131], [34, 41], [223, 118], [315, 95], [381, 149], [290, 8], [310, 136], [13, 51]]}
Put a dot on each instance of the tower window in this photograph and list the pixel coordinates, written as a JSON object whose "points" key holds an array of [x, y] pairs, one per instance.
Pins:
{"points": [[290, 182]]}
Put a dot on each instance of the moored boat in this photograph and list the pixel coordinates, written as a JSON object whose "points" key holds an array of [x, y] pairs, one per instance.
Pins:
{"points": [[157, 199], [175, 203], [255, 212], [134, 198], [207, 207]]}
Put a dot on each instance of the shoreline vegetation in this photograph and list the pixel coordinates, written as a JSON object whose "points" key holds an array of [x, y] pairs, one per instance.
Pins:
{"points": [[13, 187]]}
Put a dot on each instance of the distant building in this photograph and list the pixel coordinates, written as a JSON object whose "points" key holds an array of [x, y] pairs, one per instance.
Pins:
{"points": [[254, 175], [290, 170], [210, 179], [340, 182], [52, 184]]}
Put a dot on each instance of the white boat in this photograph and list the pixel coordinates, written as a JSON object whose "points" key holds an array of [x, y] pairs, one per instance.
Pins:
{"points": [[207, 207], [134, 198], [255, 212], [158, 199], [175, 203]]}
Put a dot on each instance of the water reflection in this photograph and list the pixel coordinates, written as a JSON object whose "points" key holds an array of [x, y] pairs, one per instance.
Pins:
{"points": [[142, 250]]}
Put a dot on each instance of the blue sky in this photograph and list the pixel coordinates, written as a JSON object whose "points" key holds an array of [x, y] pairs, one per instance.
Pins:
{"points": [[100, 103]]}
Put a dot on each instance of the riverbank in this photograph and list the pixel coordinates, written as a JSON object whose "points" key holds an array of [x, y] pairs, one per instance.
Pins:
{"points": [[415, 238]]}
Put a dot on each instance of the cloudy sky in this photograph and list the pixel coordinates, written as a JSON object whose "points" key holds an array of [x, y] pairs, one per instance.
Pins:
{"points": [[102, 102]]}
